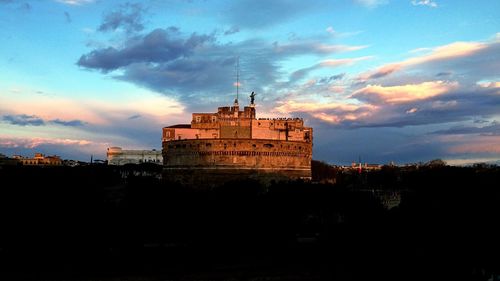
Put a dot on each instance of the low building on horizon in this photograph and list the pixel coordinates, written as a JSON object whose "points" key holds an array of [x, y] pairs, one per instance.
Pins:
{"points": [[38, 160], [118, 156]]}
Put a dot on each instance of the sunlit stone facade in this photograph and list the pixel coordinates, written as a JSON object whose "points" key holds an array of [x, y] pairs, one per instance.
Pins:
{"points": [[39, 160], [234, 142], [119, 156]]}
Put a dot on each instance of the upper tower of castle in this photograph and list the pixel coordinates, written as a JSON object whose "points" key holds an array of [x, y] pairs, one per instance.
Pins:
{"points": [[231, 122]]}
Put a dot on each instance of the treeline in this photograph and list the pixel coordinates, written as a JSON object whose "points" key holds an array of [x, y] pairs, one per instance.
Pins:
{"points": [[63, 222]]}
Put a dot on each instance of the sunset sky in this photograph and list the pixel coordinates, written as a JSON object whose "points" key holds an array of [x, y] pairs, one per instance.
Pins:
{"points": [[384, 80]]}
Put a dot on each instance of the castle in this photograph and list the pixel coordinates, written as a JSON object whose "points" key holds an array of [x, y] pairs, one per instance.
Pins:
{"points": [[233, 142]]}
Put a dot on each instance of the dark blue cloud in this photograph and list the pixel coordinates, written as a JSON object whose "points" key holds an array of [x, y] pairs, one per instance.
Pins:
{"points": [[135, 116], [22, 6], [23, 120], [128, 16], [196, 68], [332, 78], [67, 17], [159, 46], [232, 30], [71, 123], [490, 130], [33, 120]]}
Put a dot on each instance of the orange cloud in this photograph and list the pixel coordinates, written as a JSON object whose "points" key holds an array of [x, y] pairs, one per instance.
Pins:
{"points": [[324, 48], [35, 142], [481, 144], [294, 106], [472, 143], [489, 84], [453, 50], [89, 110], [329, 112], [404, 93], [339, 62]]}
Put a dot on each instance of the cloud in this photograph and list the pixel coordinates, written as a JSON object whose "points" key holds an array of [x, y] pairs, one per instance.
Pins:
{"points": [[428, 3], [313, 47], [71, 123], [75, 2], [23, 120], [407, 93], [67, 16], [380, 72], [33, 120], [329, 63], [438, 56], [489, 84], [25, 6], [340, 62], [332, 78], [159, 46], [127, 16], [371, 3], [376, 94], [433, 102], [232, 30], [35, 142], [332, 112], [489, 130], [293, 106], [483, 145], [67, 148], [197, 68], [135, 116]]}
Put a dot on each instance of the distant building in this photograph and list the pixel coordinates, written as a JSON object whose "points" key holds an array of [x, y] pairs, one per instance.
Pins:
{"points": [[39, 160], [365, 166], [119, 156]]}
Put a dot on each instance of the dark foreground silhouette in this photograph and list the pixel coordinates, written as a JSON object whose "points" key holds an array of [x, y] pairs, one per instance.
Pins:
{"points": [[111, 223]]}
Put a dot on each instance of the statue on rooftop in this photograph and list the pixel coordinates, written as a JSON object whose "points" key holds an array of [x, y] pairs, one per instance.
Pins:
{"points": [[252, 98]]}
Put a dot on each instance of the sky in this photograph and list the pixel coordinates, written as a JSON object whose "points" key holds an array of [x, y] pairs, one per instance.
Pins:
{"points": [[400, 81]]}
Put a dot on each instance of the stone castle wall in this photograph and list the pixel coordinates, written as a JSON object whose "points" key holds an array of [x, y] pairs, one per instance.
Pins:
{"points": [[289, 158], [232, 144]]}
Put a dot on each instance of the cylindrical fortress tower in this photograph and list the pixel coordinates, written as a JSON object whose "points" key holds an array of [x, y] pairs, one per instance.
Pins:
{"points": [[233, 144]]}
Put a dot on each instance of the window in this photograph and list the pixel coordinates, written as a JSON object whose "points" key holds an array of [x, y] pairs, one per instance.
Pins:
{"points": [[198, 119], [214, 118]]}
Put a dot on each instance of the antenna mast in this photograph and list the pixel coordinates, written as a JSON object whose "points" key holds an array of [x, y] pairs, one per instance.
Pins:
{"points": [[237, 78]]}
